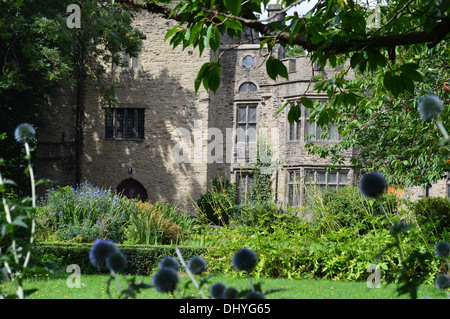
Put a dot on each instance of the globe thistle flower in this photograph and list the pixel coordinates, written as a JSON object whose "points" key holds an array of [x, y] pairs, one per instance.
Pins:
{"points": [[24, 133], [442, 249], [170, 262], [217, 290], [230, 293], [197, 265], [255, 295], [116, 261], [165, 280], [442, 281], [244, 259], [430, 106], [372, 184], [100, 251]]}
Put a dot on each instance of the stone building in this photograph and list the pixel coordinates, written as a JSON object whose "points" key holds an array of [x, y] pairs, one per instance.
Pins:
{"points": [[164, 142]]}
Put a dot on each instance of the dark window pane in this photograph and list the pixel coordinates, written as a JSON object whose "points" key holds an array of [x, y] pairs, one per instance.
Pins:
{"points": [[242, 114], [252, 114], [140, 123], [252, 88], [252, 133], [109, 124], [130, 124], [119, 123]]}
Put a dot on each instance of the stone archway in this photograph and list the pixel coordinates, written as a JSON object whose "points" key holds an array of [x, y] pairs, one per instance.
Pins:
{"points": [[131, 188]]}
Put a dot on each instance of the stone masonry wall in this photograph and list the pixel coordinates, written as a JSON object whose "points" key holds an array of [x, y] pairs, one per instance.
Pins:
{"points": [[163, 85]]}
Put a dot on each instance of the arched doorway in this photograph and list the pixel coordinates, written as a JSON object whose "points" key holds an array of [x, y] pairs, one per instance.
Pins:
{"points": [[131, 188]]}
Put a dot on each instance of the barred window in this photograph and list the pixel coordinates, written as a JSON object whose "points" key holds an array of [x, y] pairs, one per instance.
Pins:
{"points": [[124, 124]]}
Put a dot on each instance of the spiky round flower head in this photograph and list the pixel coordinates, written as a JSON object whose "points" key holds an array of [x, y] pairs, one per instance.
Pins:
{"points": [[165, 280], [442, 249], [244, 259], [430, 106], [217, 290], [24, 133], [442, 281], [197, 265], [100, 251], [255, 295], [372, 184], [170, 262], [116, 261], [230, 293]]}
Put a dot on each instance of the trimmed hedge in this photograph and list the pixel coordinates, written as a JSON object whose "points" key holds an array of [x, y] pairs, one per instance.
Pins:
{"points": [[141, 259]]}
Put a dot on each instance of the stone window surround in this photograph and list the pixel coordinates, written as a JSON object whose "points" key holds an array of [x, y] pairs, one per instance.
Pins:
{"points": [[243, 63]]}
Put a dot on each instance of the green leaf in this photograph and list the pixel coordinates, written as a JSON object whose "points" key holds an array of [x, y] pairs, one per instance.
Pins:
{"points": [[214, 42], [171, 32], [19, 221], [233, 24], [233, 5], [307, 102], [212, 77], [393, 83], [317, 77], [275, 67], [195, 32], [201, 74], [208, 35], [281, 108], [294, 113]]}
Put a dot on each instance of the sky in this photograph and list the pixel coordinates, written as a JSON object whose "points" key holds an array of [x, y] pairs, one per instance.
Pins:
{"points": [[302, 9]]}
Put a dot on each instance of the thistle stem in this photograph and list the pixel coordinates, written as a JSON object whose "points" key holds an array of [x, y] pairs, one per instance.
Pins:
{"points": [[33, 202], [442, 129], [391, 228], [189, 273], [250, 282]]}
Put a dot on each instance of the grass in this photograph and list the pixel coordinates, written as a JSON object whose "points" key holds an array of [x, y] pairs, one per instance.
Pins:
{"points": [[94, 287]]}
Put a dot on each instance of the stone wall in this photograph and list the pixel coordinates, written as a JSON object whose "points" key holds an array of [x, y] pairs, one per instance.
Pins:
{"points": [[162, 84]]}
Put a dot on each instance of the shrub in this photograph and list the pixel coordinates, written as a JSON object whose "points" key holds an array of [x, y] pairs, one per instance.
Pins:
{"points": [[265, 215], [79, 214], [141, 259], [347, 208], [433, 213], [217, 205]]}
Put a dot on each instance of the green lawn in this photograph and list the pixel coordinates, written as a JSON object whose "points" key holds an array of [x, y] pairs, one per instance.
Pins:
{"points": [[94, 287]]}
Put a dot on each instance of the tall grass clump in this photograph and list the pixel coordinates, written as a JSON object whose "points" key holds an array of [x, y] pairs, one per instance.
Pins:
{"points": [[83, 214], [157, 224]]}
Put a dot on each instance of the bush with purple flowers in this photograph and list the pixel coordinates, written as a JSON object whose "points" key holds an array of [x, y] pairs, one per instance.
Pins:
{"points": [[83, 214]]}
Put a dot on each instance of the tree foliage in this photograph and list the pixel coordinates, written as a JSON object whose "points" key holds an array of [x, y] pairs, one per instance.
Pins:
{"points": [[38, 49], [395, 60]]}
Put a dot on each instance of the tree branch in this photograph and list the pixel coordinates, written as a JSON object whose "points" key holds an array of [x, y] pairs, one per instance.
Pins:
{"points": [[431, 38]]}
